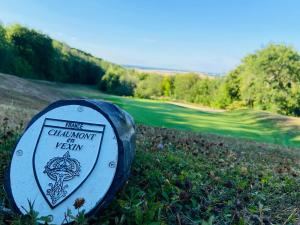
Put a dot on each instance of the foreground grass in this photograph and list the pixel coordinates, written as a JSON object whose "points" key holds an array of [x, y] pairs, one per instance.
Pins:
{"points": [[187, 178]]}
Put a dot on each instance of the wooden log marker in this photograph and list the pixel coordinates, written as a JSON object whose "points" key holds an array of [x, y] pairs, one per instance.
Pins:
{"points": [[72, 149]]}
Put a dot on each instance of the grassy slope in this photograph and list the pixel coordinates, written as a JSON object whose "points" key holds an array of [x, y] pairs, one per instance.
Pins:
{"points": [[181, 177], [254, 125], [186, 178]]}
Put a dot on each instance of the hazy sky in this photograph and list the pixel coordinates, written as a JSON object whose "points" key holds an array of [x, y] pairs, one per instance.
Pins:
{"points": [[209, 36]]}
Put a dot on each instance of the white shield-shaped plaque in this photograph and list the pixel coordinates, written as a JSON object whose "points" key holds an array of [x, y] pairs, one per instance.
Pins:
{"points": [[65, 155]]}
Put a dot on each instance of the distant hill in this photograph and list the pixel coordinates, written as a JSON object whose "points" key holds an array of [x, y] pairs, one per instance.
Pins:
{"points": [[29, 53], [168, 71]]}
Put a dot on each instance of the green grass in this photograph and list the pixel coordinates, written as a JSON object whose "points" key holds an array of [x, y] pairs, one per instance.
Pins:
{"points": [[189, 178], [247, 124], [186, 178]]}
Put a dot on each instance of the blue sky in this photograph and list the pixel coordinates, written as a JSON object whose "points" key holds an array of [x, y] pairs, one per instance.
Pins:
{"points": [[201, 35]]}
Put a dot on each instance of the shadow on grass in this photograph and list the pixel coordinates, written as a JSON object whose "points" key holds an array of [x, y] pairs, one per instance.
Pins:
{"points": [[246, 124]]}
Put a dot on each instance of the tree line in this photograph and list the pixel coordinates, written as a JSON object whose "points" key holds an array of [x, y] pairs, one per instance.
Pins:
{"points": [[32, 54], [268, 79]]}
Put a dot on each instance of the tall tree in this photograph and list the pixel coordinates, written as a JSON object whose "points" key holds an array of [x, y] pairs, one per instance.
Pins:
{"points": [[183, 84], [270, 77]]}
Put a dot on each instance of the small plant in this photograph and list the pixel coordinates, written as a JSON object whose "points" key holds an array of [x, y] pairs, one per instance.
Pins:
{"points": [[32, 217], [79, 218], [209, 221]]}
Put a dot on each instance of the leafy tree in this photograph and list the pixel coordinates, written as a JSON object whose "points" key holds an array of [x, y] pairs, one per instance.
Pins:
{"points": [[167, 85], [222, 98], [183, 84], [270, 77], [149, 87], [232, 84], [203, 91], [34, 48], [3, 48], [29, 53], [118, 81]]}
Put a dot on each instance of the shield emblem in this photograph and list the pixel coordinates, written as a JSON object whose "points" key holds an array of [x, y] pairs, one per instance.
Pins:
{"points": [[65, 155]]}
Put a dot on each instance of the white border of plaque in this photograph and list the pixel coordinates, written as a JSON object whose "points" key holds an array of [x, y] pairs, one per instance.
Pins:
{"points": [[70, 150]]}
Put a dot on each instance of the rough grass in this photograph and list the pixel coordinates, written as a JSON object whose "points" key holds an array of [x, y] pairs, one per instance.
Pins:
{"points": [[17, 115], [188, 178], [23, 93]]}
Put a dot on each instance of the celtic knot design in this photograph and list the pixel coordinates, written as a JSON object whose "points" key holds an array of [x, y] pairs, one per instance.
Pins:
{"points": [[61, 169]]}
